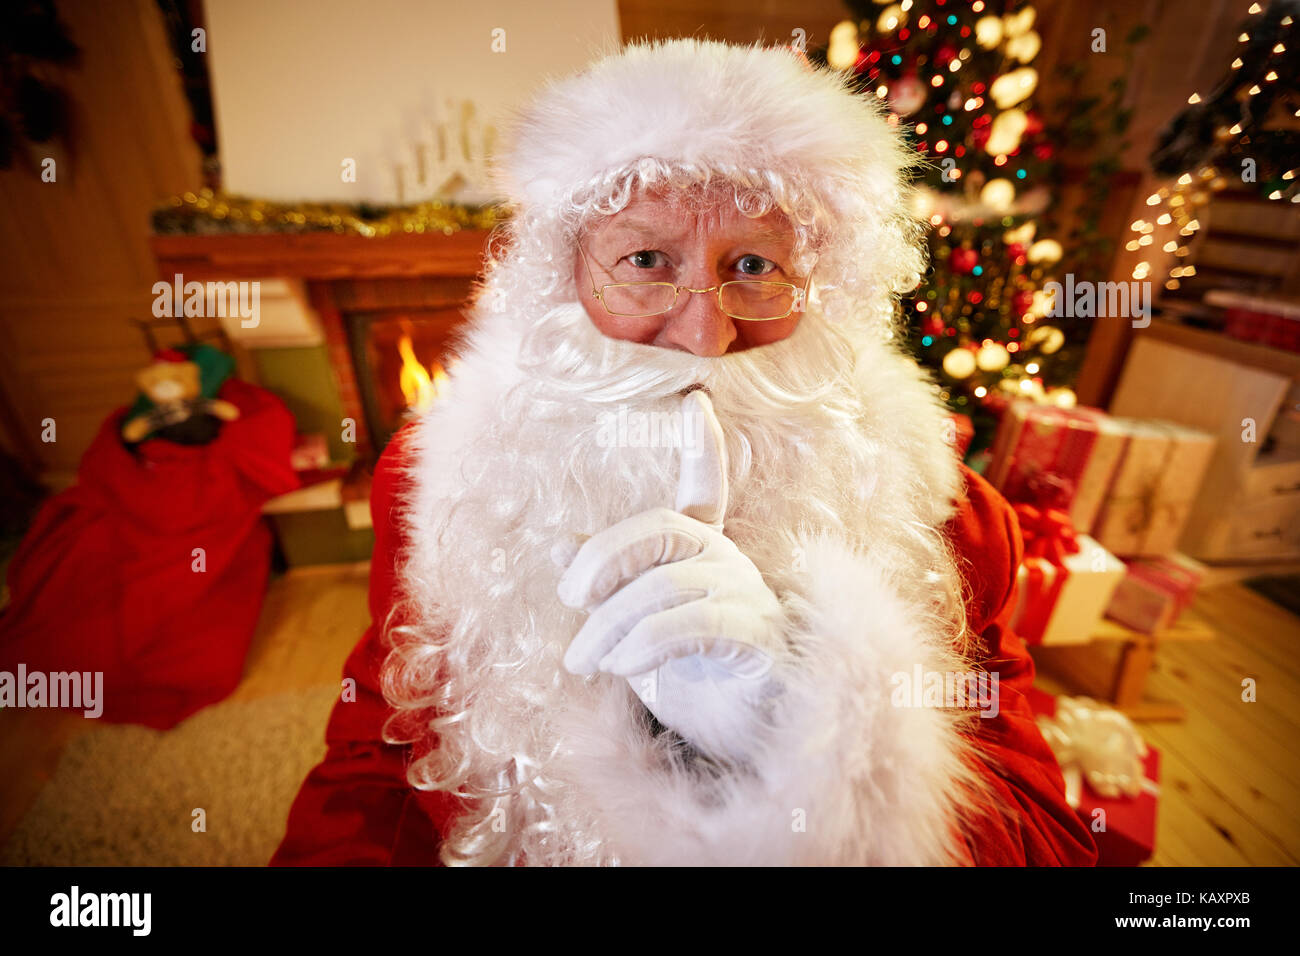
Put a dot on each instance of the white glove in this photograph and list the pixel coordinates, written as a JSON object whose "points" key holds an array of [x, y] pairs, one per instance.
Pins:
{"points": [[675, 607]]}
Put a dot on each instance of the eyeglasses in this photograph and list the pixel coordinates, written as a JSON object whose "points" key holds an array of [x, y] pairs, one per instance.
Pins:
{"points": [[749, 300]]}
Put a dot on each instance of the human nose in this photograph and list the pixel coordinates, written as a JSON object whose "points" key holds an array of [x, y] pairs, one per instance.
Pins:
{"points": [[699, 326]]}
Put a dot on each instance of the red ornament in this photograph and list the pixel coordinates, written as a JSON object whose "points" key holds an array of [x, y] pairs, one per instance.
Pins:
{"points": [[945, 53], [1015, 250], [975, 297], [932, 326], [963, 261], [1033, 124], [1022, 301], [1044, 151]]}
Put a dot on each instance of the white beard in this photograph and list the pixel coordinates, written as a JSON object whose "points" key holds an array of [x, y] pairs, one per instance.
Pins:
{"points": [[840, 478]]}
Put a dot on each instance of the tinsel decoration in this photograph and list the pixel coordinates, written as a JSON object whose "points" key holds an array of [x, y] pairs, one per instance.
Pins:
{"points": [[207, 213]]}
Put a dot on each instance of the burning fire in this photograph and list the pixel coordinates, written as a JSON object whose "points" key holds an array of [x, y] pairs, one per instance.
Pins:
{"points": [[419, 388]]}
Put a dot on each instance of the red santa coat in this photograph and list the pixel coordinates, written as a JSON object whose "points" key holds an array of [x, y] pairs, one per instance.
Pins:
{"points": [[356, 807]]}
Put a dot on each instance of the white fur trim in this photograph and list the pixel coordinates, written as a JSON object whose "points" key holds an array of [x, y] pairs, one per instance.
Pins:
{"points": [[846, 777], [717, 106]]}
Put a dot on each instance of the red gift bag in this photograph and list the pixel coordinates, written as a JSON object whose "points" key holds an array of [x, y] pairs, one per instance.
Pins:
{"points": [[151, 569]]}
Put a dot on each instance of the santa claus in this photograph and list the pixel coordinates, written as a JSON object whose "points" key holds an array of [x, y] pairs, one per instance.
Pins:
{"points": [[670, 573]]}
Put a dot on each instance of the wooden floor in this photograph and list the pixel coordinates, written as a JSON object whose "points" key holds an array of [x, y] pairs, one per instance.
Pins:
{"points": [[1230, 772]]}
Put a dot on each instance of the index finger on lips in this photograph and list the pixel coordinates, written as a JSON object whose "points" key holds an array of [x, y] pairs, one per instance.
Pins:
{"points": [[702, 484], [615, 556]]}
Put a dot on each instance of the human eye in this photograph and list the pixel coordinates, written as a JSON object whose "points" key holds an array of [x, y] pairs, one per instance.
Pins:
{"points": [[755, 266], [646, 259]]}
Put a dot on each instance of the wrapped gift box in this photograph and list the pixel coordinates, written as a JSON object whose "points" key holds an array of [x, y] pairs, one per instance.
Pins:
{"points": [[1155, 591], [1269, 321], [1125, 829], [1056, 458], [1063, 589], [1153, 488]]}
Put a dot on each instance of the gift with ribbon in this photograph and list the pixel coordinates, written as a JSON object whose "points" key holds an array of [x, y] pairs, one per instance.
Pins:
{"points": [[1111, 774], [1154, 487], [1155, 591], [1055, 458], [1065, 581]]}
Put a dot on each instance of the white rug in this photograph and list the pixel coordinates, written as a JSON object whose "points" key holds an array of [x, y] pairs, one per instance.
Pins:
{"points": [[124, 795]]}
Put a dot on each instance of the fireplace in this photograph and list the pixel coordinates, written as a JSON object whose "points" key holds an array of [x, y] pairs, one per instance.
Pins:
{"points": [[377, 299], [399, 358]]}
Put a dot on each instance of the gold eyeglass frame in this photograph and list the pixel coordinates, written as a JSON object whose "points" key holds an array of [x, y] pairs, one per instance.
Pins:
{"points": [[800, 294]]}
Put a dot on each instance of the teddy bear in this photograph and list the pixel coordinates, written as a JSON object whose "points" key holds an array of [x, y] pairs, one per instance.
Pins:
{"points": [[180, 412]]}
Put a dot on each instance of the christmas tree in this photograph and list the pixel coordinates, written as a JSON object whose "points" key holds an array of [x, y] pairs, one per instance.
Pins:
{"points": [[958, 77]]}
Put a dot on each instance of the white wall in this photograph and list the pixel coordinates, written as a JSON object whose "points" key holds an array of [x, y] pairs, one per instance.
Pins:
{"points": [[299, 85]]}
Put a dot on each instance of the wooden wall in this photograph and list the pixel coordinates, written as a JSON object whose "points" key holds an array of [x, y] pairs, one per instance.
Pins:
{"points": [[77, 265]]}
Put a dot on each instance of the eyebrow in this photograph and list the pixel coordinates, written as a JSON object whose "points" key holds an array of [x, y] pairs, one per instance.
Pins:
{"points": [[638, 230]]}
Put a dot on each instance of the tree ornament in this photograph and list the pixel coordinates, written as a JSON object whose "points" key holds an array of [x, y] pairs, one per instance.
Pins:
{"points": [[1024, 47], [959, 363], [907, 95], [1006, 131], [998, 194], [992, 357], [1014, 87], [1045, 252], [963, 260], [891, 18], [843, 51], [1021, 234], [1047, 338], [1062, 397], [1018, 24], [988, 32]]}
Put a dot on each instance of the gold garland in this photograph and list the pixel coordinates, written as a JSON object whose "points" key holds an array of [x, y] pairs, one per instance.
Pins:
{"points": [[214, 212]]}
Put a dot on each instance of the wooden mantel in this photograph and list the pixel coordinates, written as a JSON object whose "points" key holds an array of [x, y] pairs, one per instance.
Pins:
{"points": [[340, 273], [320, 256]]}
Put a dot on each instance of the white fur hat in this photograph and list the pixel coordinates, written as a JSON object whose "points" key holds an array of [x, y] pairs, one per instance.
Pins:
{"points": [[760, 116]]}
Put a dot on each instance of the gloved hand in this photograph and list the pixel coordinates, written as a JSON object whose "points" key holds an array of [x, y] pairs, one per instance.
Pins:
{"points": [[676, 608]]}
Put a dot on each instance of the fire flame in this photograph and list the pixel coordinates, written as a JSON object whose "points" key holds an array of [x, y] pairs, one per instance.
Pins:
{"points": [[419, 388]]}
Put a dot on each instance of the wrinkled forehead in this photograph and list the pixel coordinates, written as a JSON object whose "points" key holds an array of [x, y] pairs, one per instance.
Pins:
{"points": [[677, 214]]}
